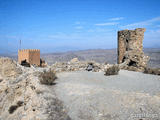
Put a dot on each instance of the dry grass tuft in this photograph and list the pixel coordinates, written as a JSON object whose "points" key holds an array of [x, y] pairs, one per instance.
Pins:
{"points": [[154, 71], [113, 70], [47, 77]]}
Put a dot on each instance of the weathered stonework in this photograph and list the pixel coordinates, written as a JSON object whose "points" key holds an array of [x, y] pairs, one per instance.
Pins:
{"points": [[130, 49], [129, 40], [32, 56]]}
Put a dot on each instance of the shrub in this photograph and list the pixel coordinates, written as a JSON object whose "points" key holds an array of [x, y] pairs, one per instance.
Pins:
{"points": [[47, 77], [113, 70], [14, 107], [154, 71]]}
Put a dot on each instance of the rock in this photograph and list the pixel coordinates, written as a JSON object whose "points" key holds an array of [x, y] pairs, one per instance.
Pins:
{"points": [[90, 67], [74, 60], [9, 68], [43, 63]]}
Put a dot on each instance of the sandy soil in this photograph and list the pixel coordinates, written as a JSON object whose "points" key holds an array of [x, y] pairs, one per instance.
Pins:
{"points": [[93, 96]]}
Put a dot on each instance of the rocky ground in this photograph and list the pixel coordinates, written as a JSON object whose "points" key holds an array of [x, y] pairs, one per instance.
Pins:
{"points": [[81, 92], [22, 97]]}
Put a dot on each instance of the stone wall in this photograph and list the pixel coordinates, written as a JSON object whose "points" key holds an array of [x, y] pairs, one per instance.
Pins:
{"points": [[129, 40], [31, 56]]}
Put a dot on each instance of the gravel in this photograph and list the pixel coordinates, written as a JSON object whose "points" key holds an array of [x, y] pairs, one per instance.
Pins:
{"points": [[93, 96]]}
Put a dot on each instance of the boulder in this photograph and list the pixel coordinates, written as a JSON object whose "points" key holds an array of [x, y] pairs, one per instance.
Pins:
{"points": [[90, 67], [74, 60]]}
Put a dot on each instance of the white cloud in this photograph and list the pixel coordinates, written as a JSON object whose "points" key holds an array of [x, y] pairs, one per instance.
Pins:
{"points": [[65, 36], [99, 30], [107, 24], [141, 24], [116, 19], [79, 27]]}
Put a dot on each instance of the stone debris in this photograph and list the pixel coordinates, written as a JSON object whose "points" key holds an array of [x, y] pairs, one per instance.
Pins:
{"points": [[130, 50], [75, 65], [135, 60]]}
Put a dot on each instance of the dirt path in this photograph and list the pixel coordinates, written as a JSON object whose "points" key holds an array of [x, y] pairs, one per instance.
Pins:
{"points": [[93, 96]]}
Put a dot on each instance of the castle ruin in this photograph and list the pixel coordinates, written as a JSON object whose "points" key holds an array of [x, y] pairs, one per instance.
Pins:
{"points": [[31, 56], [130, 49]]}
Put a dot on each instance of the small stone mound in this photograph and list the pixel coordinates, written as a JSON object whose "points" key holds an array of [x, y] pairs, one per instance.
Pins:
{"points": [[9, 68], [77, 66], [74, 60], [112, 70]]}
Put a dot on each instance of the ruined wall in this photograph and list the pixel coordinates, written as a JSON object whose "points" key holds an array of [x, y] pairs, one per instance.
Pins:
{"points": [[129, 40], [31, 56]]}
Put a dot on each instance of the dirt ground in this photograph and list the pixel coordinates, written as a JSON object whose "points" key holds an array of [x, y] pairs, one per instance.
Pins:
{"points": [[93, 96]]}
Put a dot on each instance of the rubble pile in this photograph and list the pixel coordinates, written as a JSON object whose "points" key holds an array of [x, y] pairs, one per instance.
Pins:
{"points": [[76, 65], [135, 61]]}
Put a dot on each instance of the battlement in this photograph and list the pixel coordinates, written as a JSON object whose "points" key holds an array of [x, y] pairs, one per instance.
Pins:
{"points": [[32, 56], [28, 50]]}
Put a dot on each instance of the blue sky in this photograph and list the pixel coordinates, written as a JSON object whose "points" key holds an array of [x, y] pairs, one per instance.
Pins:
{"points": [[64, 25]]}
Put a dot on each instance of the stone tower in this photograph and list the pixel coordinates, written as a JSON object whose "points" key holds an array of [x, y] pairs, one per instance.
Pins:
{"points": [[129, 40], [32, 56]]}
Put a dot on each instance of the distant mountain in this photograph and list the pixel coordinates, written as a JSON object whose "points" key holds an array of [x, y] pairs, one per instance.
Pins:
{"points": [[98, 55], [154, 54]]}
